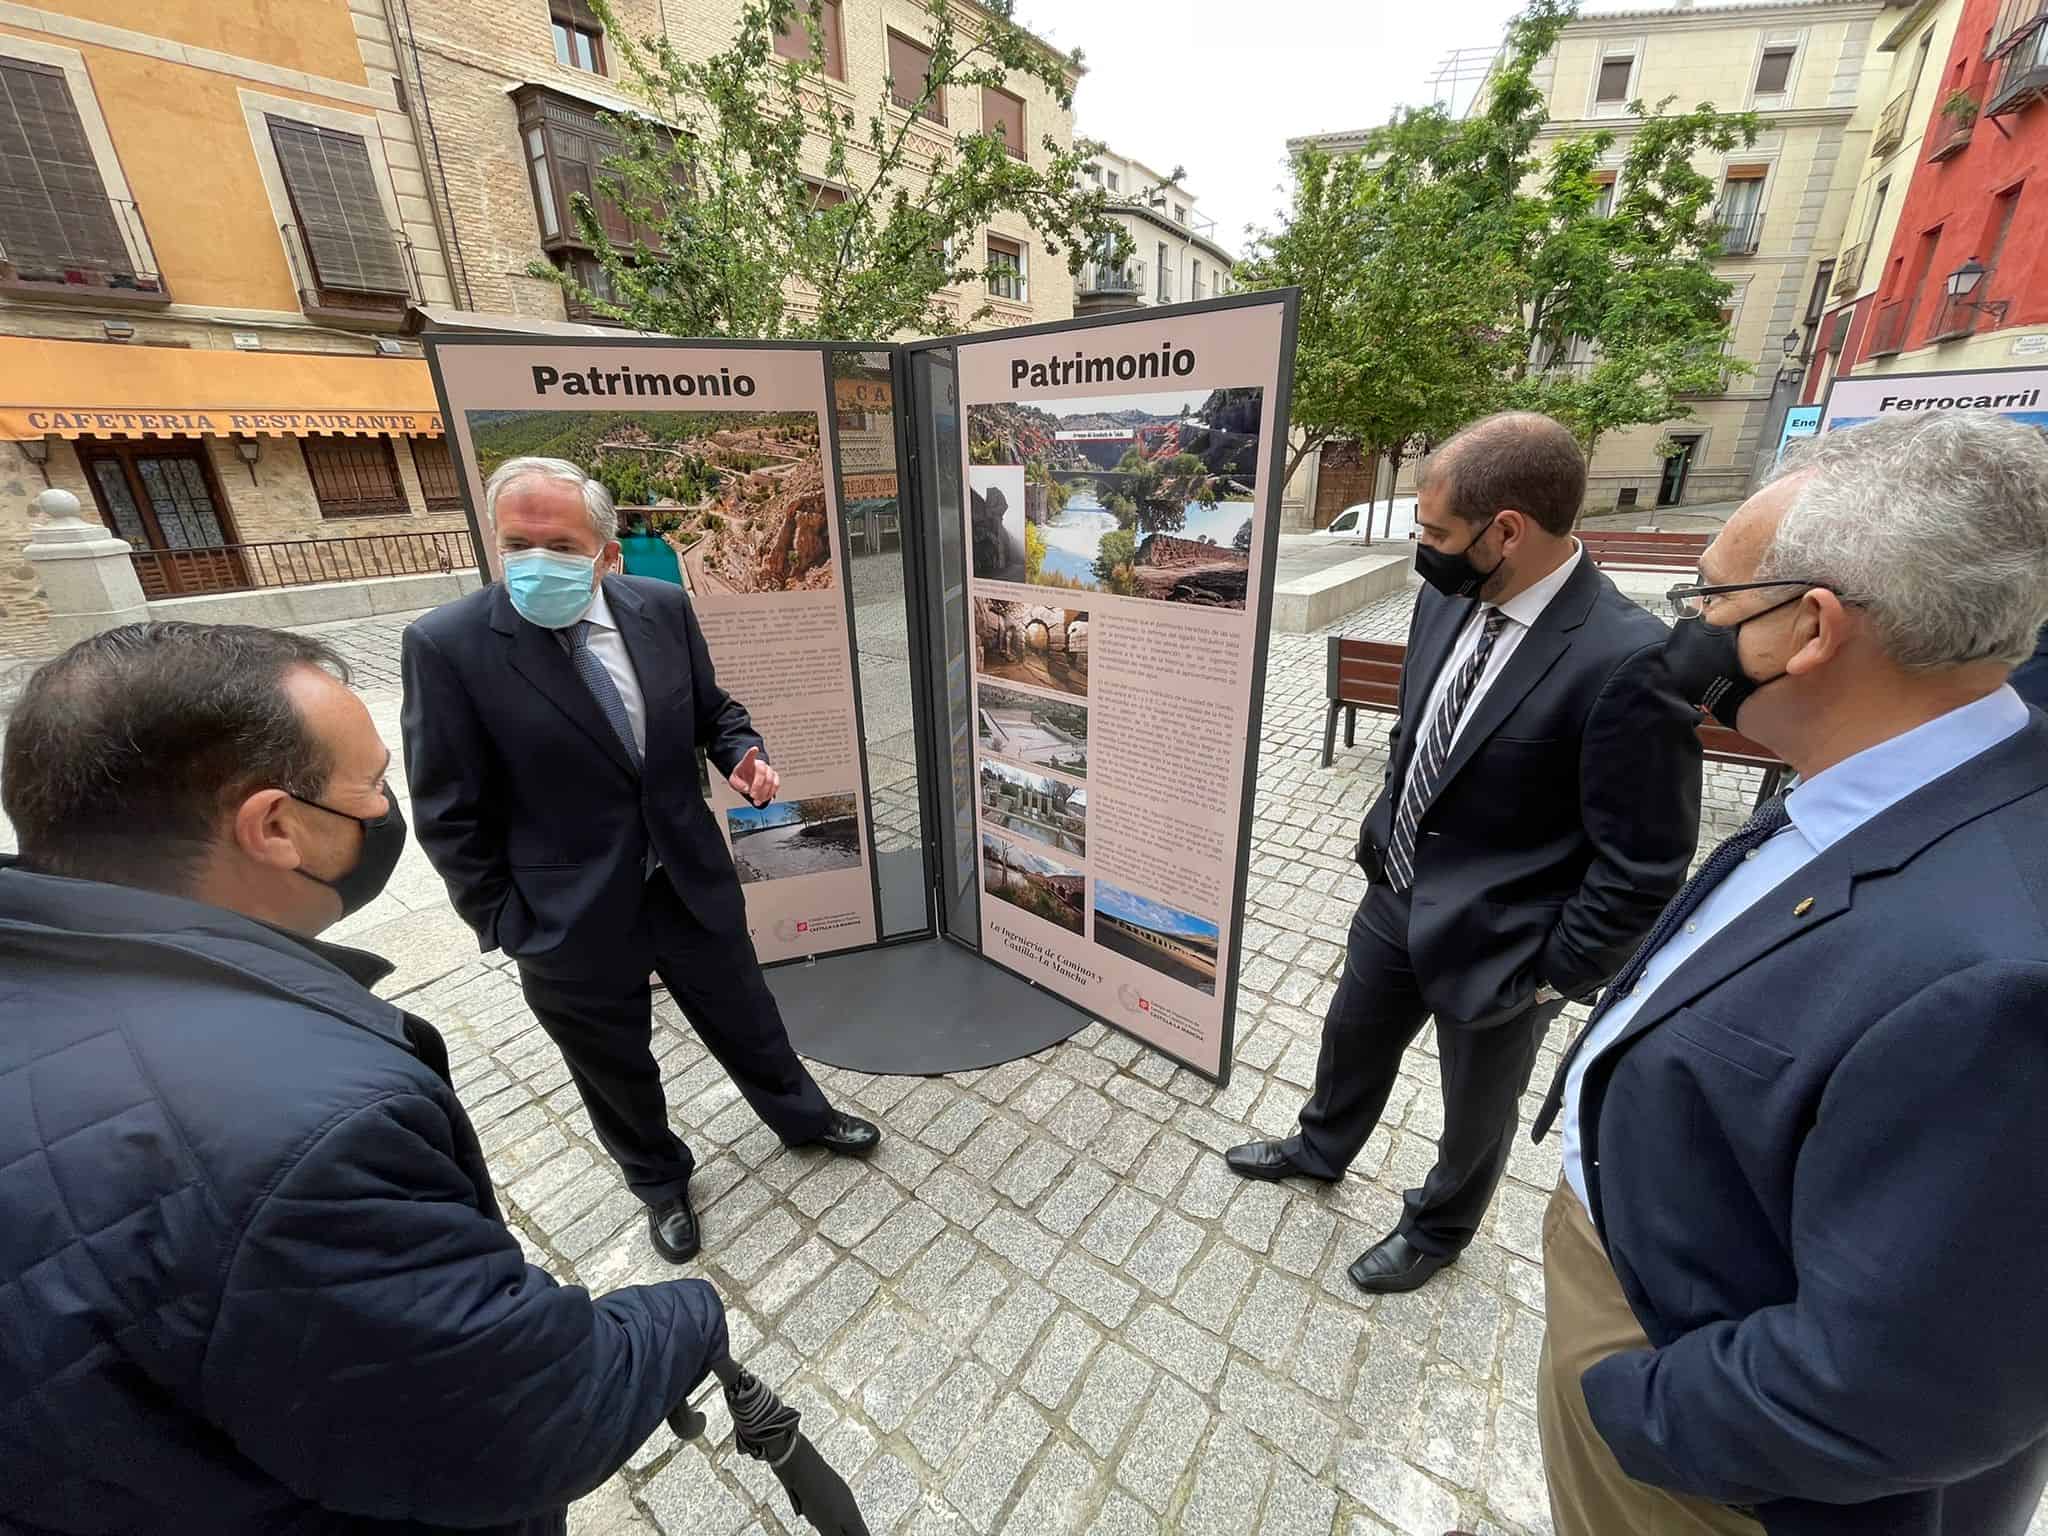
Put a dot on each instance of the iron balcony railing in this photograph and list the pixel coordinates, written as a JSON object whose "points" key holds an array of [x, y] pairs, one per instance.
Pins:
{"points": [[1738, 231], [1100, 279], [131, 278], [2020, 76], [1953, 132], [1891, 126], [1850, 272], [1888, 333], [369, 306], [930, 111], [301, 562]]}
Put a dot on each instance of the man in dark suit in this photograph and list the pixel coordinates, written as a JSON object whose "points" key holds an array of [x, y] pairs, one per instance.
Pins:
{"points": [[1541, 804], [2030, 678], [552, 722], [1795, 1262]]}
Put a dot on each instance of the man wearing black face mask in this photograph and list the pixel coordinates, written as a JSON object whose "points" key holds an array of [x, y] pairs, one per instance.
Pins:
{"points": [[255, 1276], [1541, 804], [1793, 1268]]}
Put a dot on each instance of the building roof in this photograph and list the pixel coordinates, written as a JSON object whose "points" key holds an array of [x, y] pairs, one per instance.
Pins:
{"points": [[1684, 10]]}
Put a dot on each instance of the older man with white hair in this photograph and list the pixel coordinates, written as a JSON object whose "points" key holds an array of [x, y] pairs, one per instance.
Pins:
{"points": [[1794, 1268], [552, 724]]}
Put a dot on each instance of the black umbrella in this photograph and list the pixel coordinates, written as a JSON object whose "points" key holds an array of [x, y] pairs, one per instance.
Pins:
{"points": [[768, 1429]]}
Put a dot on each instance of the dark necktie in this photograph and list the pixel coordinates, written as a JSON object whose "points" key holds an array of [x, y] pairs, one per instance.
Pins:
{"points": [[591, 668], [1436, 748], [1770, 819]]}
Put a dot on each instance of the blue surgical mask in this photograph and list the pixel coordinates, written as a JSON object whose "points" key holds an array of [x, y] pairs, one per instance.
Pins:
{"points": [[548, 589]]}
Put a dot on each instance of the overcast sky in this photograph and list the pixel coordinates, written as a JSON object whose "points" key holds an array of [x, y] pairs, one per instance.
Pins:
{"points": [[1220, 87]]}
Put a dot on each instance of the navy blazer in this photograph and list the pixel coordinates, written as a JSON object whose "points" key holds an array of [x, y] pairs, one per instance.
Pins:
{"points": [[1819, 1159], [1566, 814], [2030, 680], [252, 1276], [527, 802]]}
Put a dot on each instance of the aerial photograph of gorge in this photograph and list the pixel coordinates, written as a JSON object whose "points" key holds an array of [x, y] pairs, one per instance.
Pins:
{"points": [[721, 501]]}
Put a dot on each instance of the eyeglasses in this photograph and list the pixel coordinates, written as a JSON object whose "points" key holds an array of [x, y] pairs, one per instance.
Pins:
{"points": [[1690, 601]]}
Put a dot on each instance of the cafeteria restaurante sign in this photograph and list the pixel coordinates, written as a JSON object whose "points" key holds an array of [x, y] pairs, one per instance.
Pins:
{"points": [[297, 423]]}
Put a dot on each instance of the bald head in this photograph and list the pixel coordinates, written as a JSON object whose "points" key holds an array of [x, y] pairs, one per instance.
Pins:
{"points": [[1515, 461]]}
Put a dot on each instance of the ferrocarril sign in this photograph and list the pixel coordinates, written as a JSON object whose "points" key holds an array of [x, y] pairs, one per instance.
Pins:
{"points": [[2016, 392]]}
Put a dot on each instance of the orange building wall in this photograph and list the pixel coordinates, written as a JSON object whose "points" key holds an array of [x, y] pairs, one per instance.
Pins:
{"points": [[184, 145], [312, 35]]}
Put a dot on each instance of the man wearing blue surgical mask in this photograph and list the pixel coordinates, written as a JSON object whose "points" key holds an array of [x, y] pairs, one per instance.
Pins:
{"points": [[552, 724]]}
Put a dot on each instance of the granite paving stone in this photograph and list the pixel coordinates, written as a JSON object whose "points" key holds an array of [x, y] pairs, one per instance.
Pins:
{"points": [[1044, 1305]]}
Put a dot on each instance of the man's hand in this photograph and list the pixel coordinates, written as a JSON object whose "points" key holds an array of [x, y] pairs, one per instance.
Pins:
{"points": [[755, 778]]}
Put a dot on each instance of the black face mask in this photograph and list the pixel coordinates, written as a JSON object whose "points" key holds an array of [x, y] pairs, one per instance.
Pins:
{"points": [[1456, 575], [1705, 662], [383, 842]]}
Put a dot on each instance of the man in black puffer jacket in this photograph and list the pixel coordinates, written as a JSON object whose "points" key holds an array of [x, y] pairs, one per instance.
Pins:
{"points": [[252, 1277]]}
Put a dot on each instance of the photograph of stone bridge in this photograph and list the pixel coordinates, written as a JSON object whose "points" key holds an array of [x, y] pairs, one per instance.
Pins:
{"points": [[1174, 943], [1140, 495], [1041, 886], [1024, 643], [1034, 806], [1030, 728]]}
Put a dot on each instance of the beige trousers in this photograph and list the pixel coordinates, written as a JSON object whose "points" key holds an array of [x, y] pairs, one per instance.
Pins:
{"points": [[1589, 1319]]}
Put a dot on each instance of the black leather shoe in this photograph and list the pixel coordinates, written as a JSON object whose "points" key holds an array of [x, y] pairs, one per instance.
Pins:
{"points": [[673, 1226], [846, 1136], [1395, 1264], [1267, 1160]]}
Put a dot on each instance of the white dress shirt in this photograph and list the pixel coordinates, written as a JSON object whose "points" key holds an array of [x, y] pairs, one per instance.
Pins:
{"points": [[609, 647], [1824, 809], [1522, 611]]}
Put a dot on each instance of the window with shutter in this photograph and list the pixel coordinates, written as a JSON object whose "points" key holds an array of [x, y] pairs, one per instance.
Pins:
{"points": [[57, 224], [352, 257], [910, 68], [1614, 78], [354, 476], [579, 36], [435, 465], [1004, 114], [794, 40], [1006, 271], [1773, 70]]}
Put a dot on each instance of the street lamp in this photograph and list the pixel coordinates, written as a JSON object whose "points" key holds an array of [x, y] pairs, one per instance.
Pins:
{"points": [[1964, 281], [1792, 369], [251, 449]]}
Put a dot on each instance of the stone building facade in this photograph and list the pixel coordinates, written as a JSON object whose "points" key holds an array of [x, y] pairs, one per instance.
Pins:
{"points": [[507, 99], [1804, 66], [221, 226], [1176, 255]]}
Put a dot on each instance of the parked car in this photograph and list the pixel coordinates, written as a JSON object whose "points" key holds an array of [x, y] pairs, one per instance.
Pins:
{"points": [[1368, 519]]}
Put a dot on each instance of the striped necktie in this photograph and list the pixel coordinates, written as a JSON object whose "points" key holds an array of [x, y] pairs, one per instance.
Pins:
{"points": [[1436, 748]]}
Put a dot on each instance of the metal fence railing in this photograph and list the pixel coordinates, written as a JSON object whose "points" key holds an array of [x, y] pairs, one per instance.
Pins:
{"points": [[299, 562]]}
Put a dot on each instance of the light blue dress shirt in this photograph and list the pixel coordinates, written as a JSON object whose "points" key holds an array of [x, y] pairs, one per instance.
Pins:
{"points": [[1824, 810]]}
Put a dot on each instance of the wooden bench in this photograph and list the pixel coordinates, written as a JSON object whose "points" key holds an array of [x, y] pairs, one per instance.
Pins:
{"points": [[1366, 674], [1645, 551]]}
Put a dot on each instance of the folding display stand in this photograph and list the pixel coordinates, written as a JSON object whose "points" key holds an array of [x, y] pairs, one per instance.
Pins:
{"points": [[917, 992]]}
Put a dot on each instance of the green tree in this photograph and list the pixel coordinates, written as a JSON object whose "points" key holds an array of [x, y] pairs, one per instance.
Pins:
{"points": [[1451, 269], [763, 206], [1117, 551]]}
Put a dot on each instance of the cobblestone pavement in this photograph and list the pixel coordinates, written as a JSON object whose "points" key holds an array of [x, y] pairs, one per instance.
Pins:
{"points": [[1045, 1306]]}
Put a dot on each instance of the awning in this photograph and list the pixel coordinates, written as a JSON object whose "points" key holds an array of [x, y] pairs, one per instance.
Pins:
{"points": [[94, 389]]}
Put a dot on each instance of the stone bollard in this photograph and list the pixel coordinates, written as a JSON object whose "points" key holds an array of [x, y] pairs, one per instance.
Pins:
{"points": [[85, 571]]}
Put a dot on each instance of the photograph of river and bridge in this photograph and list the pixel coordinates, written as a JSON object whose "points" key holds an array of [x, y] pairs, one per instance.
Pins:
{"points": [[1032, 729], [811, 835], [1034, 806], [719, 501], [1143, 495], [1174, 943], [1041, 886]]}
